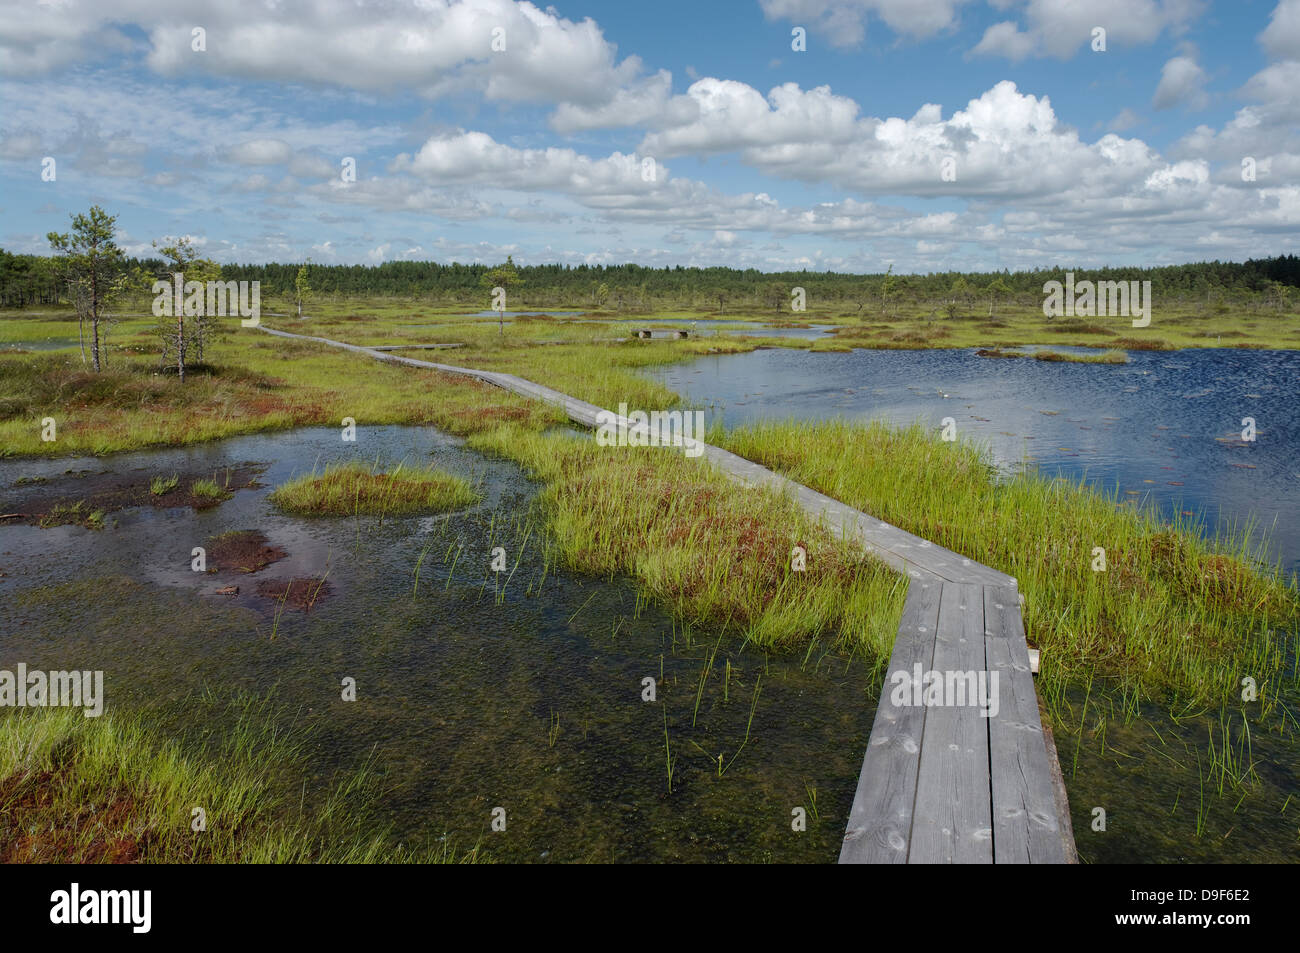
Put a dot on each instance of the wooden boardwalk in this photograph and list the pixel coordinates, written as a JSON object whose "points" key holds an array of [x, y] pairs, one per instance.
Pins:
{"points": [[942, 781]]}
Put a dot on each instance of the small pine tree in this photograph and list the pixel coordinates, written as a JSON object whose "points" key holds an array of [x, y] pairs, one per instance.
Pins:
{"points": [[996, 288], [301, 286], [504, 276], [93, 268]]}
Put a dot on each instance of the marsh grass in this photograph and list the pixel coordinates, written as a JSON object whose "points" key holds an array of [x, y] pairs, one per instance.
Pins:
{"points": [[258, 383], [1112, 356], [77, 513], [353, 488], [209, 492], [1172, 611], [93, 790], [714, 554], [161, 486]]}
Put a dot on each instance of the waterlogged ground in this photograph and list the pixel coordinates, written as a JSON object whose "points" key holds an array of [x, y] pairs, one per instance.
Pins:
{"points": [[534, 702], [1176, 786], [1206, 787], [465, 701], [1164, 429]]}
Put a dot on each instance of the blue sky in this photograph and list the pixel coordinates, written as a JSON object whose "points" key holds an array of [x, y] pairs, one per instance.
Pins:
{"points": [[926, 134]]}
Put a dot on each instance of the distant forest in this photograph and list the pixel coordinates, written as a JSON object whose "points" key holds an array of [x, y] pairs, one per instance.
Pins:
{"points": [[1259, 283]]}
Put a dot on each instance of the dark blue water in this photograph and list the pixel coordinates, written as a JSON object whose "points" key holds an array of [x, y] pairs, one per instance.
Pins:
{"points": [[1164, 429]]}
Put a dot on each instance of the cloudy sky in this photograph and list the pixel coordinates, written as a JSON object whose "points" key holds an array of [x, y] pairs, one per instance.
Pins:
{"points": [[927, 134]]}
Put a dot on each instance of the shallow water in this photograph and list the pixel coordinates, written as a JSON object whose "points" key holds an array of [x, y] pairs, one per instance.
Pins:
{"points": [[1164, 429], [807, 334], [1142, 427], [39, 344], [533, 704], [515, 314], [1163, 800]]}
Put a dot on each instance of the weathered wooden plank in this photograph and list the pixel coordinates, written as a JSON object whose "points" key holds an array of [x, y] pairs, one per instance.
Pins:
{"points": [[661, 333], [1025, 827], [880, 820], [1058, 788], [953, 819]]}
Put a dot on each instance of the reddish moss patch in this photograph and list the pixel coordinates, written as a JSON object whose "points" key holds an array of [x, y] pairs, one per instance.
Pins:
{"points": [[302, 594], [1143, 344], [242, 551], [117, 832]]}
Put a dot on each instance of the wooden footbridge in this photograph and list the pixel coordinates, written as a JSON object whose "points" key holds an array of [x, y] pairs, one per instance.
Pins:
{"points": [[940, 783]]}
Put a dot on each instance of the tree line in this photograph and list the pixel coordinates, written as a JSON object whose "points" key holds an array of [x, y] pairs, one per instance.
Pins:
{"points": [[92, 273], [28, 280], [625, 287]]}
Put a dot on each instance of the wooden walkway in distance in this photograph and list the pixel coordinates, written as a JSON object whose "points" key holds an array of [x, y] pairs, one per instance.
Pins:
{"points": [[940, 783], [415, 347]]}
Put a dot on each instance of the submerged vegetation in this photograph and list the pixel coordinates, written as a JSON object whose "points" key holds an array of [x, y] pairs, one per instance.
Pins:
{"points": [[87, 498], [1078, 617], [104, 790], [353, 488]]}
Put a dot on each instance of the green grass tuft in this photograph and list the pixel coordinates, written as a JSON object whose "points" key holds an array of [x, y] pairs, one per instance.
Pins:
{"points": [[209, 490], [105, 790], [351, 489]]}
